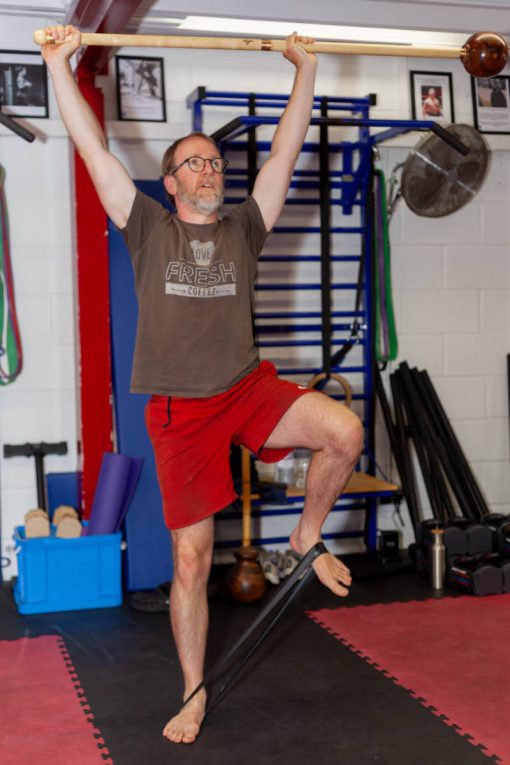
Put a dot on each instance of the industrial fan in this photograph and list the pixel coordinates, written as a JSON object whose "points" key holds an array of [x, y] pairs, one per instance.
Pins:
{"points": [[436, 178]]}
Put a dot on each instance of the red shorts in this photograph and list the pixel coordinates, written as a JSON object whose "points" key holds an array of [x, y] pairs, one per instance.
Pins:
{"points": [[192, 451]]}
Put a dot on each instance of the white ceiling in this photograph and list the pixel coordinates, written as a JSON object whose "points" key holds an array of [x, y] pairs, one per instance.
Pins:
{"points": [[462, 16]]}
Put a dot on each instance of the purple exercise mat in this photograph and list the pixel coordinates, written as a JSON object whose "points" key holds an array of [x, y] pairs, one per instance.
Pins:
{"points": [[114, 490]]}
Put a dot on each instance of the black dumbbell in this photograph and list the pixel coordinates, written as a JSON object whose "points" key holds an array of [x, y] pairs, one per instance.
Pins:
{"points": [[503, 538], [502, 561], [476, 574]]}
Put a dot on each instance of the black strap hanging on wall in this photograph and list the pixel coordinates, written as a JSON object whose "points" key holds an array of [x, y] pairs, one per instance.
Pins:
{"points": [[325, 240], [252, 145], [342, 352]]}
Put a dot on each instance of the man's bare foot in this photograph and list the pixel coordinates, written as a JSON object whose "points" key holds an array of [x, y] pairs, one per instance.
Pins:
{"points": [[330, 571], [185, 726]]}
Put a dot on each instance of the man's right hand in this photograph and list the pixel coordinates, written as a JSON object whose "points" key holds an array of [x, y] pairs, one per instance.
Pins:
{"points": [[67, 41]]}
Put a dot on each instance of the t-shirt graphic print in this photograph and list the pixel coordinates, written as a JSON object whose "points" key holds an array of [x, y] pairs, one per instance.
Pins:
{"points": [[203, 278]]}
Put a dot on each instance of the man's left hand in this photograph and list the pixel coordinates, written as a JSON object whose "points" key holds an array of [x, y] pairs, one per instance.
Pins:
{"points": [[296, 54]]}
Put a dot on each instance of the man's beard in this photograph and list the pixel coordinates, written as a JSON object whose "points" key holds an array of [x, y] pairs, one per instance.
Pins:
{"points": [[205, 206]]}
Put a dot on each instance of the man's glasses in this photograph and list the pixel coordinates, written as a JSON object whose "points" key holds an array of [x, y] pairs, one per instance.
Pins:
{"points": [[197, 164]]}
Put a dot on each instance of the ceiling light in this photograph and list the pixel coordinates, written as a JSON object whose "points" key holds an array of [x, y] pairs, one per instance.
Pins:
{"points": [[257, 27]]}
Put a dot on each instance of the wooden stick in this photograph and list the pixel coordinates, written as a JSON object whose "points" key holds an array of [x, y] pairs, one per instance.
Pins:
{"points": [[246, 496], [233, 43]]}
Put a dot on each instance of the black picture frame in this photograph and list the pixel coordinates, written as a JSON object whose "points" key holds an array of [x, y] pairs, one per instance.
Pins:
{"points": [[491, 104], [432, 96], [140, 88], [23, 84]]}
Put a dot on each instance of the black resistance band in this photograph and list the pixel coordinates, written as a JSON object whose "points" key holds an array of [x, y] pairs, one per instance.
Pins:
{"points": [[287, 592]]}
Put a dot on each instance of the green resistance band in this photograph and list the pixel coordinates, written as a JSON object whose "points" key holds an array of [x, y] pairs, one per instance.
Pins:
{"points": [[10, 350], [390, 352]]}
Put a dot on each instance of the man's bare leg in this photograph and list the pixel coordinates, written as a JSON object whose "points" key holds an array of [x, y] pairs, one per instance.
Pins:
{"points": [[334, 434], [189, 615]]}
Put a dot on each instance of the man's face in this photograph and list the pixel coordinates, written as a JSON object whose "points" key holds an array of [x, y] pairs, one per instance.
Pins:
{"points": [[200, 192]]}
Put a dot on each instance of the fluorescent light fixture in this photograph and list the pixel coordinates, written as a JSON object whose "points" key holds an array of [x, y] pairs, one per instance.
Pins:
{"points": [[214, 25], [166, 21]]}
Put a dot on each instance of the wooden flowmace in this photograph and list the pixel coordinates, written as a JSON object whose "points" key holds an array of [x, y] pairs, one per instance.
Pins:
{"points": [[245, 581], [483, 55]]}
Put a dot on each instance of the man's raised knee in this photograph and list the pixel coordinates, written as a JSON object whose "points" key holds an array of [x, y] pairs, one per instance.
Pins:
{"points": [[356, 437], [347, 435]]}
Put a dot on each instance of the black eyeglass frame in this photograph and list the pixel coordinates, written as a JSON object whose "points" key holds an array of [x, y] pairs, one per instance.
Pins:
{"points": [[203, 160]]}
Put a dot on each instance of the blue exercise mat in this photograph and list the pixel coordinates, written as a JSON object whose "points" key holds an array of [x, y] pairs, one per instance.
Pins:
{"points": [[63, 489], [148, 559]]}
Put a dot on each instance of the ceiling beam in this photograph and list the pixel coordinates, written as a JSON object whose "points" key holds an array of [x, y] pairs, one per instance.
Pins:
{"points": [[457, 16], [100, 16]]}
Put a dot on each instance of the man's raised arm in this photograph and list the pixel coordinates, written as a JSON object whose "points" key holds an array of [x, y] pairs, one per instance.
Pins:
{"points": [[272, 183], [115, 188]]}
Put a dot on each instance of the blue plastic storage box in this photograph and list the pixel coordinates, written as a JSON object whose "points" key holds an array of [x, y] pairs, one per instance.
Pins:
{"points": [[67, 574]]}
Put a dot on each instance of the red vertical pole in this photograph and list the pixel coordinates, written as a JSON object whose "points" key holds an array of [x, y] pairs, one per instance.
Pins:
{"points": [[93, 311]]}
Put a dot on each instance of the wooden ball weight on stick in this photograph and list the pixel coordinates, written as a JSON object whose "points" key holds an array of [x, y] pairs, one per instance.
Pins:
{"points": [[483, 55], [246, 582]]}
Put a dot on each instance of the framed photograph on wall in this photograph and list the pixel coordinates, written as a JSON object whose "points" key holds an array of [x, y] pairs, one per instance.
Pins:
{"points": [[432, 96], [23, 84], [491, 104], [140, 89]]}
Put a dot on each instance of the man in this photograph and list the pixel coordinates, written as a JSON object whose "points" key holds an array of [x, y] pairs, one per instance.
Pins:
{"points": [[195, 353], [498, 97], [431, 104]]}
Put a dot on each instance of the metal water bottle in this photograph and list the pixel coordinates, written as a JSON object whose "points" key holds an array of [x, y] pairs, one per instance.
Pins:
{"points": [[437, 559]]}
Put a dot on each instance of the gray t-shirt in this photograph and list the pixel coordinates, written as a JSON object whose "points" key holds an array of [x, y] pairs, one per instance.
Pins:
{"points": [[195, 289]]}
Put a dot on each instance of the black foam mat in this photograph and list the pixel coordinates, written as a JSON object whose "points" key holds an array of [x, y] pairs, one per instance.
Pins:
{"points": [[303, 698]]}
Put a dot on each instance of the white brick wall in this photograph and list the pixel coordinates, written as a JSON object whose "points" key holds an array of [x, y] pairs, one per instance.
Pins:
{"points": [[41, 404], [453, 320], [479, 266], [476, 354], [451, 276], [435, 311]]}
